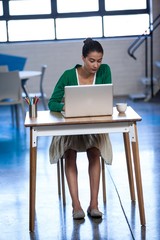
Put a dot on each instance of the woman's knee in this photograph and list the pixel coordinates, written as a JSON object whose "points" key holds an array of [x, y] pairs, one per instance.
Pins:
{"points": [[93, 153], [70, 154], [70, 158]]}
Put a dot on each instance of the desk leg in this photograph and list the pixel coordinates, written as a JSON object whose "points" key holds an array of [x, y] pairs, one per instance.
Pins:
{"points": [[103, 180], [129, 164], [135, 150], [33, 160]]}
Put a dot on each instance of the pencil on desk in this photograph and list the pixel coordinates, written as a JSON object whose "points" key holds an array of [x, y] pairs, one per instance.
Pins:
{"points": [[31, 101]]}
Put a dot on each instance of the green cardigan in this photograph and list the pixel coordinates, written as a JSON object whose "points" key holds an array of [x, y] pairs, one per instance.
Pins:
{"points": [[69, 78]]}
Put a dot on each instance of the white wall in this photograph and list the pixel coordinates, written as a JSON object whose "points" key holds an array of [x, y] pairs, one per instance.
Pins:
{"points": [[59, 56]]}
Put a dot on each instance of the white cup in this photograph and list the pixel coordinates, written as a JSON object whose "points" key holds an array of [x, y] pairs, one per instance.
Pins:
{"points": [[121, 107]]}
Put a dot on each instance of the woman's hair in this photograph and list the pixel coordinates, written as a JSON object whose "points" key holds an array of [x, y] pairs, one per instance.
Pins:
{"points": [[91, 45]]}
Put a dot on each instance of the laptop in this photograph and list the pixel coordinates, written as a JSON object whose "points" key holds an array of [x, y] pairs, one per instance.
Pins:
{"points": [[88, 100]]}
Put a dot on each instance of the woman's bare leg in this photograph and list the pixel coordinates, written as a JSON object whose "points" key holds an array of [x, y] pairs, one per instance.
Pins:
{"points": [[94, 176], [72, 175]]}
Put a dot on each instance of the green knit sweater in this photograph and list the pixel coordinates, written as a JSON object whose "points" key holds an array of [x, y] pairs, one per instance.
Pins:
{"points": [[69, 78]]}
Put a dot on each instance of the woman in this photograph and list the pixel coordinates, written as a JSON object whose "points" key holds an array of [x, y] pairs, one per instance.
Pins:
{"points": [[95, 145]]}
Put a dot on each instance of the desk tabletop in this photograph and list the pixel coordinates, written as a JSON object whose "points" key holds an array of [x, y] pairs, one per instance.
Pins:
{"points": [[48, 118], [28, 74]]}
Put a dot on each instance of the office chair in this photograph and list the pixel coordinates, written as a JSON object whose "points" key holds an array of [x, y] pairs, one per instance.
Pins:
{"points": [[41, 93], [10, 92], [14, 63], [4, 68]]}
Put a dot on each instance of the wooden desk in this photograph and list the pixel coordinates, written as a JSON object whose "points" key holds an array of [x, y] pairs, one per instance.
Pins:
{"points": [[54, 124], [25, 75]]}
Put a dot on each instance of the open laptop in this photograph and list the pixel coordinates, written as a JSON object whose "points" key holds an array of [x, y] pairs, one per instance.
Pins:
{"points": [[88, 100]]}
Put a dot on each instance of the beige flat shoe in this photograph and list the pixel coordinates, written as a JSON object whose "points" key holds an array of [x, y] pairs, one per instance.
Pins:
{"points": [[78, 214], [94, 213]]}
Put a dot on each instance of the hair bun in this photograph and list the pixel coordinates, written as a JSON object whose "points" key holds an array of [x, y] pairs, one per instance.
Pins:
{"points": [[87, 40]]}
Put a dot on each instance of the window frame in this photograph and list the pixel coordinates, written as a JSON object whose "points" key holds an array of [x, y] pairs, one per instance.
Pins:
{"points": [[54, 14]]}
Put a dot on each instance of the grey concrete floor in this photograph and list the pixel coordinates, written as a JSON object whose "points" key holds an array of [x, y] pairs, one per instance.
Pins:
{"points": [[53, 220]]}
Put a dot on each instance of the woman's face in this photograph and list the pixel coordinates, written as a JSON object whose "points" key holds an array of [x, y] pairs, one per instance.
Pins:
{"points": [[92, 62]]}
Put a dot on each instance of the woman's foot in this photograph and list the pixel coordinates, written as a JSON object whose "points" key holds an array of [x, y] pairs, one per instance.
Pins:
{"points": [[78, 214], [94, 213]]}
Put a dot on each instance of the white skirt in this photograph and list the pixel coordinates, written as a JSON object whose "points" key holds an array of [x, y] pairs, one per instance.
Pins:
{"points": [[80, 143]]}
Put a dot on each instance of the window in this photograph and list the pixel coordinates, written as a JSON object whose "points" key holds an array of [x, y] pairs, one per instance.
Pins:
{"points": [[28, 7], [1, 9], [38, 20], [112, 5], [69, 6], [27, 30], [79, 27], [125, 25], [3, 36]]}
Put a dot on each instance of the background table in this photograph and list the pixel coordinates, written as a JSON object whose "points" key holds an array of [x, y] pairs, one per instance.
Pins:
{"points": [[54, 124]]}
